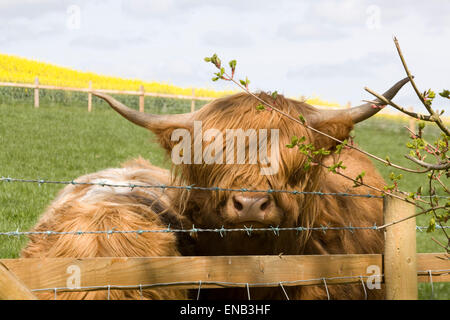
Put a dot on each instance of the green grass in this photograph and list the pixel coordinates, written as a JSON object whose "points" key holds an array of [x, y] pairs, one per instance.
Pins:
{"points": [[62, 141]]}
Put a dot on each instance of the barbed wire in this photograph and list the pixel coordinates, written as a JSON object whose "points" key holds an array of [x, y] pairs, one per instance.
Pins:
{"points": [[226, 284], [200, 283], [191, 187], [222, 230], [421, 228]]}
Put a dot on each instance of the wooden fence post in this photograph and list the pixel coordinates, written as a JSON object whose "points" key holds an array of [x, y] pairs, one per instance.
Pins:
{"points": [[90, 97], [141, 99], [400, 257], [36, 92], [12, 288], [193, 100]]}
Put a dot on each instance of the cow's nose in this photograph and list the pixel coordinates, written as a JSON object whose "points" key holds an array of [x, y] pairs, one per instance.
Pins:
{"points": [[251, 208]]}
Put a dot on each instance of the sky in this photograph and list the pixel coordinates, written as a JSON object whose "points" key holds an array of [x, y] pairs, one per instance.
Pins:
{"points": [[332, 49]]}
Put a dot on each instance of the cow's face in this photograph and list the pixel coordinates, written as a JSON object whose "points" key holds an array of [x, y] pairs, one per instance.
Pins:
{"points": [[197, 144], [235, 146]]}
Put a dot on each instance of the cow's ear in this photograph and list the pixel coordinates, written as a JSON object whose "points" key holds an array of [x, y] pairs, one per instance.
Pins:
{"points": [[337, 128], [170, 136]]}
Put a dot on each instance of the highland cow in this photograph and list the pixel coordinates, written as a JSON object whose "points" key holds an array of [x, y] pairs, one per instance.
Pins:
{"points": [[91, 207]]}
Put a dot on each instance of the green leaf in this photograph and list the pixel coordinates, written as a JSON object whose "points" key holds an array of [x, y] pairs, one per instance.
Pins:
{"points": [[307, 165], [445, 94], [321, 151], [421, 125], [336, 166], [274, 94], [341, 146], [431, 225]]}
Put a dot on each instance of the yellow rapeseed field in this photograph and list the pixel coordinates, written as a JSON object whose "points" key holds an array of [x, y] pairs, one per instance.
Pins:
{"points": [[22, 70]]}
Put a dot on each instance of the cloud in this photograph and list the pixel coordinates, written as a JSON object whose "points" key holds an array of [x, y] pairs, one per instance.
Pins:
{"points": [[342, 12], [295, 31], [163, 9], [365, 67], [148, 8], [95, 41], [32, 9], [22, 28], [324, 20], [228, 38]]}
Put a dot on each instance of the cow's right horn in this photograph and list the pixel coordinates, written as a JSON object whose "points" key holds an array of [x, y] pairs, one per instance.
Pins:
{"points": [[146, 120], [359, 113]]}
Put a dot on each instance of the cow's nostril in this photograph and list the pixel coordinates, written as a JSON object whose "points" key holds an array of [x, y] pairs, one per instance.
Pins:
{"points": [[237, 205], [264, 205]]}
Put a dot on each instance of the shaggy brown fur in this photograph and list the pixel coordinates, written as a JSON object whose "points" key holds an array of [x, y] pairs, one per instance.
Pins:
{"points": [[81, 207], [95, 208]]}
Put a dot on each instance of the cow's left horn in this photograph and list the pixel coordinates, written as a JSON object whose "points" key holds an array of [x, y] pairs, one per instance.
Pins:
{"points": [[359, 113], [146, 120]]}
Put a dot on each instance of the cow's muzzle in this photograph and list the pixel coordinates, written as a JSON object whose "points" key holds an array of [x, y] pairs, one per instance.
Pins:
{"points": [[255, 208]]}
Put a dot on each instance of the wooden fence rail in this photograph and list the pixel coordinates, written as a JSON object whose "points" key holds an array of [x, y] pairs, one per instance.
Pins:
{"points": [[141, 93], [11, 287], [214, 271]]}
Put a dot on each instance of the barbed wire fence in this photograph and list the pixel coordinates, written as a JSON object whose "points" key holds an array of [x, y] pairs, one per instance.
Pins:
{"points": [[222, 231], [132, 186]]}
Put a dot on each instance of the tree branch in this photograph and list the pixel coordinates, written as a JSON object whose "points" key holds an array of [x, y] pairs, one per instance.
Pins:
{"points": [[433, 114], [396, 106], [429, 166]]}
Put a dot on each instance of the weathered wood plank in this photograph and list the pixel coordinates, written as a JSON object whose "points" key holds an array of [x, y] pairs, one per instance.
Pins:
{"points": [[400, 258], [439, 263], [271, 270], [213, 271], [12, 288]]}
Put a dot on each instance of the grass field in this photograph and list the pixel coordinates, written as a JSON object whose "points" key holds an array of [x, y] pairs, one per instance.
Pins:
{"points": [[61, 141]]}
